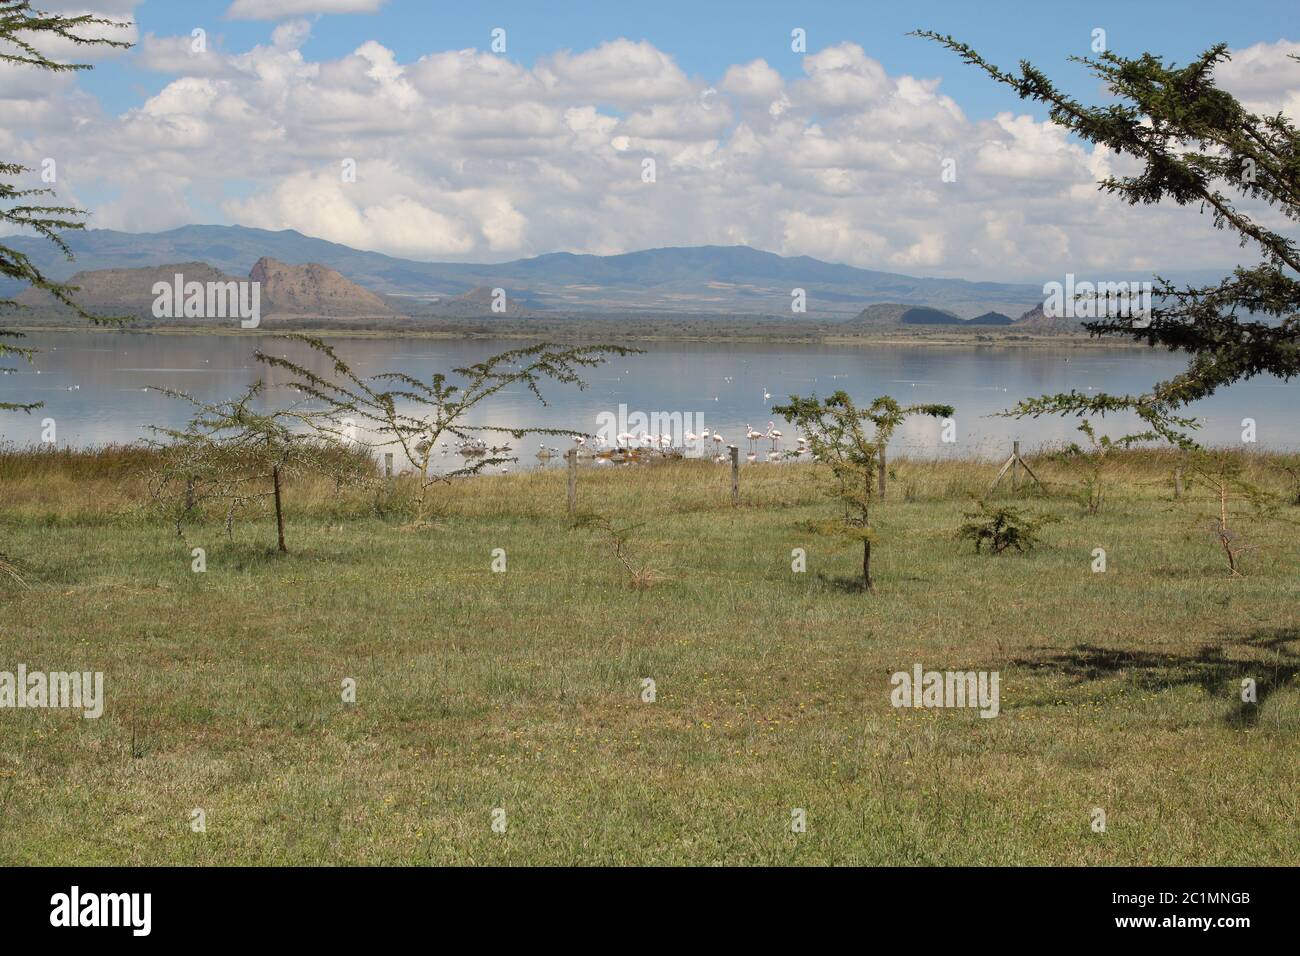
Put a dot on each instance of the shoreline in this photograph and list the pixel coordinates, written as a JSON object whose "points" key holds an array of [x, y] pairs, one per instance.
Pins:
{"points": [[587, 331]]}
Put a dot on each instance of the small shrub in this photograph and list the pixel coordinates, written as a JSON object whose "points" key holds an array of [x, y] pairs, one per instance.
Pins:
{"points": [[1002, 527], [640, 575]]}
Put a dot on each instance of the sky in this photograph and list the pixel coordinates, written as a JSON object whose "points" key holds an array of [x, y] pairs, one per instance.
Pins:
{"points": [[463, 152]]}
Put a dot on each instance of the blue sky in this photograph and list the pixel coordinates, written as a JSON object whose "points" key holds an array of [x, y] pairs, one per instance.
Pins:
{"points": [[705, 38]]}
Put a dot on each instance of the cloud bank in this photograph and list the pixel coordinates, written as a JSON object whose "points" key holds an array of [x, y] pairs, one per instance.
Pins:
{"points": [[466, 154]]}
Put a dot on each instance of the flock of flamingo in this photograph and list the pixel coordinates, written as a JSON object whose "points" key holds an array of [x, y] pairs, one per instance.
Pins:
{"points": [[628, 446]]}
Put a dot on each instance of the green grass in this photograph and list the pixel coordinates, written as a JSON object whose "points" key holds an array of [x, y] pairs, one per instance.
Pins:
{"points": [[522, 690]]}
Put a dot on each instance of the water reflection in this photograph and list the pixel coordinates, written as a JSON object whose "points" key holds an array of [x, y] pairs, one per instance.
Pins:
{"points": [[95, 385]]}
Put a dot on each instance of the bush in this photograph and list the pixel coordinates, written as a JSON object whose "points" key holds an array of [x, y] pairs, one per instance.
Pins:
{"points": [[1003, 527]]}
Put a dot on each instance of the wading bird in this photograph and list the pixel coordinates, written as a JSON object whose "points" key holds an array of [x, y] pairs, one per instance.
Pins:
{"points": [[774, 436]]}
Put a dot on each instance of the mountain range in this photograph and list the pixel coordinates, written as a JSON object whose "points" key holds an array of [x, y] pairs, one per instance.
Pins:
{"points": [[695, 279]]}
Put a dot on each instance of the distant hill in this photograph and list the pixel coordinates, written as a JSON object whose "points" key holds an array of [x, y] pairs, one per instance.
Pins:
{"points": [[883, 315], [312, 289], [991, 318], [711, 279], [477, 303], [1036, 320], [302, 290], [892, 314], [926, 316], [123, 291]]}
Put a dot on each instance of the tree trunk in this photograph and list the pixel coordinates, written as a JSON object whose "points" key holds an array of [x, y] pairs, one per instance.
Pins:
{"points": [[279, 510]]}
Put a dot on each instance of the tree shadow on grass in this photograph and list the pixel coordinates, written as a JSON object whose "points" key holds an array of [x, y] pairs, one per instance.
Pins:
{"points": [[1208, 667]]}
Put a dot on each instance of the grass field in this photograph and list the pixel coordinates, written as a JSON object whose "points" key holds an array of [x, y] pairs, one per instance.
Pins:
{"points": [[522, 690]]}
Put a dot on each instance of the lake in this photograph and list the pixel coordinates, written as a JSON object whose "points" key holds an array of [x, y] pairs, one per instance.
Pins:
{"points": [[95, 387]]}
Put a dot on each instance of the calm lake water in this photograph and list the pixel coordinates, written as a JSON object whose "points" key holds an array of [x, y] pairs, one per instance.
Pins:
{"points": [[94, 386]]}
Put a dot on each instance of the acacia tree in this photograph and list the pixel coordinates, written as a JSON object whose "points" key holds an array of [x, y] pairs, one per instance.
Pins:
{"points": [[837, 437], [1197, 145], [1092, 463], [415, 416], [21, 29], [230, 452], [1218, 480]]}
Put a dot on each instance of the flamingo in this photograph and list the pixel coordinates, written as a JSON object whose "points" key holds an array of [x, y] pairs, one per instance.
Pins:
{"points": [[774, 435], [717, 445], [752, 435], [704, 443]]}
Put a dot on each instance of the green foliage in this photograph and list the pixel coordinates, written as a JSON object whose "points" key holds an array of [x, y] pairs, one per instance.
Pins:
{"points": [[837, 437], [1001, 527], [1218, 487], [1290, 466], [414, 416], [1091, 463], [20, 25], [231, 453], [1197, 146]]}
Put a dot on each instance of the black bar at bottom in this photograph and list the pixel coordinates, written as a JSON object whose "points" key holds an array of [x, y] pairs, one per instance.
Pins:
{"points": [[334, 906]]}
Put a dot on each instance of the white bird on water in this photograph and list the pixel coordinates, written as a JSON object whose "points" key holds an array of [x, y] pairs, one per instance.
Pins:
{"points": [[774, 436]]}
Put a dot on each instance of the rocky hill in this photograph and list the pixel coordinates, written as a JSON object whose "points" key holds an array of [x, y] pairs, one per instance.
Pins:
{"points": [[1035, 320], [312, 289], [288, 290]]}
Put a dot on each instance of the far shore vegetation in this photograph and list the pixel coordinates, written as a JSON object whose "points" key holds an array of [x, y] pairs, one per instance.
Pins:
{"points": [[630, 327]]}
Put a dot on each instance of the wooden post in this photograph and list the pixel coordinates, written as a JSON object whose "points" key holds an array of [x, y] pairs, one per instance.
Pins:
{"points": [[572, 455], [1178, 482], [882, 471], [735, 474], [1013, 465], [388, 464], [279, 512]]}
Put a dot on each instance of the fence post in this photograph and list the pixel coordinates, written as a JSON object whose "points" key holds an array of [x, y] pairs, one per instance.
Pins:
{"points": [[388, 464], [1178, 482], [572, 455], [1015, 466], [735, 474], [882, 471]]}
